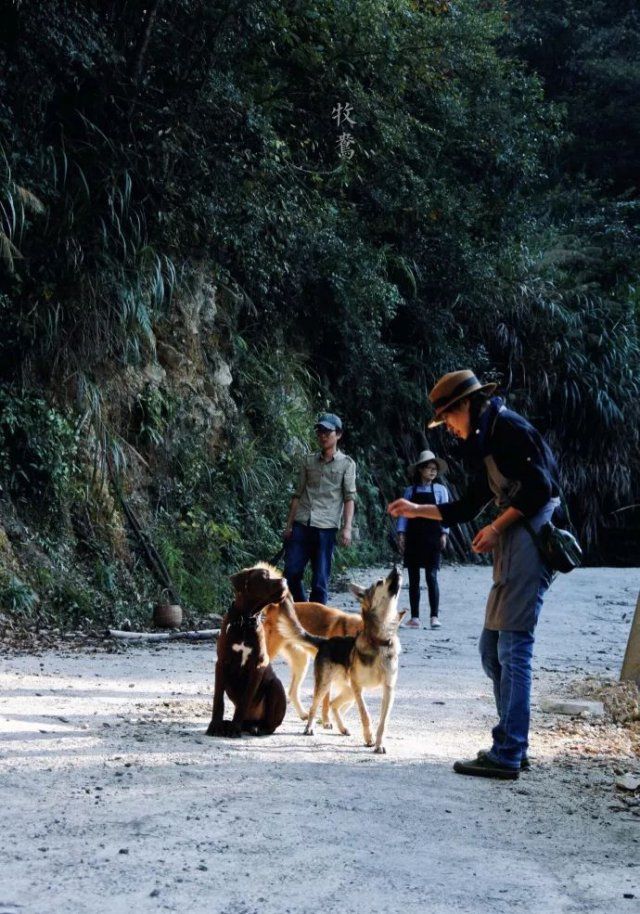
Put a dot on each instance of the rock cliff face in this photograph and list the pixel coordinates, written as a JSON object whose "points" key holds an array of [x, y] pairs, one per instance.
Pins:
{"points": [[190, 353], [78, 559]]}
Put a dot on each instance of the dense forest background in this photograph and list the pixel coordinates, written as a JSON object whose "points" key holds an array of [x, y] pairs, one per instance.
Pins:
{"points": [[217, 218]]}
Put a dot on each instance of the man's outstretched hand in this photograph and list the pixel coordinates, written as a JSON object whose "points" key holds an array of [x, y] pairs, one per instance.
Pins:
{"points": [[401, 507]]}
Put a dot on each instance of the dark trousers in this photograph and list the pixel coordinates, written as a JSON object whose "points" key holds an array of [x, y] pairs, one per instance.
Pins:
{"points": [[309, 544], [431, 577]]}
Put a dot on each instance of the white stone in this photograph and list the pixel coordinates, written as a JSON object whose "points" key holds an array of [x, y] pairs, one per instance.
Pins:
{"points": [[222, 376], [572, 707], [628, 782]]}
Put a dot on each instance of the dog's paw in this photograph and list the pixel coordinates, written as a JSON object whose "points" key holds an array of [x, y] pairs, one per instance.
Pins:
{"points": [[328, 725], [304, 715], [369, 742], [308, 730], [216, 729], [234, 731], [345, 731], [380, 750]]}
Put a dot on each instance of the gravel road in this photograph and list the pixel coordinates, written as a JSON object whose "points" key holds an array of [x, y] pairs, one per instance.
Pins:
{"points": [[113, 800]]}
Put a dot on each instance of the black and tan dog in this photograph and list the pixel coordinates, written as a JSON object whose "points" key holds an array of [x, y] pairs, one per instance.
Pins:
{"points": [[282, 638], [367, 661], [243, 670]]}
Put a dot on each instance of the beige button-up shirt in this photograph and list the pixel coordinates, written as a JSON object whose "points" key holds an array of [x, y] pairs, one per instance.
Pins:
{"points": [[323, 488]]}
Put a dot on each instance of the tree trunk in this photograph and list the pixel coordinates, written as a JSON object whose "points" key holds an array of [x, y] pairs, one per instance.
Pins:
{"points": [[137, 58], [631, 663]]}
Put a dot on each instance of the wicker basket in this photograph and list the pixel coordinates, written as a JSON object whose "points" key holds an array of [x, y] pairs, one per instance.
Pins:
{"points": [[166, 614]]}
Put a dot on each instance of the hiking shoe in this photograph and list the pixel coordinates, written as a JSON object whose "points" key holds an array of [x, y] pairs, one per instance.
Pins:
{"points": [[414, 622], [525, 764], [435, 622], [483, 767]]}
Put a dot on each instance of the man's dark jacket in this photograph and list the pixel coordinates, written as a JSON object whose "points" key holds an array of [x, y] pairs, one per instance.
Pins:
{"points": [[520, 453]]}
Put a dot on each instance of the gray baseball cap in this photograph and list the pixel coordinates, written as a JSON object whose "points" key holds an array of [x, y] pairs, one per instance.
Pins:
{"points": [[330, 421]]}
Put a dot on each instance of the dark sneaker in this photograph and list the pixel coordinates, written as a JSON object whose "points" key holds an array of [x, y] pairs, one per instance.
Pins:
{"points": [[483, 767], [525, 764]]}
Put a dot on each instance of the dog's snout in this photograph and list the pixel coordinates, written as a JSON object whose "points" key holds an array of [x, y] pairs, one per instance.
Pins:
{"points": [[394, 580]]}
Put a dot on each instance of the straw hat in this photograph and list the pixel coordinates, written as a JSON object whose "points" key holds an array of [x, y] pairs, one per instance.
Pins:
{"points": [[453, 387], [429, 457]]}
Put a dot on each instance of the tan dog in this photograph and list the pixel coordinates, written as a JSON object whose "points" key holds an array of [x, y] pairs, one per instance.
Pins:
{"points": [[281, 638], [367, 661]]}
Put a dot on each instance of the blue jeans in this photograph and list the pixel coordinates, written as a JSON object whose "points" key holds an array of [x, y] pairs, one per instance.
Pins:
{"points": [[309, 544], [506, 659]]}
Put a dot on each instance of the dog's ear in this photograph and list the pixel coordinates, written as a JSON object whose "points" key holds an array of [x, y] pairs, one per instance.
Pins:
{"points": [[239, 580], [357, 591]]}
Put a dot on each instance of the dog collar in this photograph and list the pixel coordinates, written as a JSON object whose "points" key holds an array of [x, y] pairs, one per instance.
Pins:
{"points": [[377, 642], [244, 621]]}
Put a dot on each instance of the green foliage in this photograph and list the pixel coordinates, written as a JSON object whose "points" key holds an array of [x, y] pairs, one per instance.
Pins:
{"points": [[227, 510], [587, 53], [38, 447], [196, 553], [487, 217], [151, 414], [17, 596], [585, 391], [69, 603]]}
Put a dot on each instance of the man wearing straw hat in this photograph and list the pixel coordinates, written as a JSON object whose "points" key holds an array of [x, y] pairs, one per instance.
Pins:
{"points": [[517, 471]]}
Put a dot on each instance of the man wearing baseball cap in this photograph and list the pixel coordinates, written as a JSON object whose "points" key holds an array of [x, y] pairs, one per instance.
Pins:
{"points": [[324, 496]]}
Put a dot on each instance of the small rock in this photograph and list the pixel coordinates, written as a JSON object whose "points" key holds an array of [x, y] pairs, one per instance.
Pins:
{"points": [[572, 707], [628, 782]]}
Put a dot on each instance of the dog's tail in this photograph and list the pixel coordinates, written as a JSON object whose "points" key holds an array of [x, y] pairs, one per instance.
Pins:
{"points": [[290, 628]]}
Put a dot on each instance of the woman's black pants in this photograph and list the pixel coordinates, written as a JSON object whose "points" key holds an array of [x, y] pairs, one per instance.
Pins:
{"points": [[431, 577]]}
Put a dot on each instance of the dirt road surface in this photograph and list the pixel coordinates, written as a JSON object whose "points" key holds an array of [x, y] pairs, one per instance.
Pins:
{"points": [[113, 800]]}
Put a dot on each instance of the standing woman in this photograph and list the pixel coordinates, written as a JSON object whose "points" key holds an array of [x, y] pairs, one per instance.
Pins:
{"points": [[421, 541], [515, 469]]}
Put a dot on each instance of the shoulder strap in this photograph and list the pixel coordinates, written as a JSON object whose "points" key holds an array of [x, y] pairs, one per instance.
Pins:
{"points": [[495, 419]]}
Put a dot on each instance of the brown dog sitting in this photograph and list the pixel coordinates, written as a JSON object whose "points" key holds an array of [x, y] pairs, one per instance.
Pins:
{"points": [[243, 670]]}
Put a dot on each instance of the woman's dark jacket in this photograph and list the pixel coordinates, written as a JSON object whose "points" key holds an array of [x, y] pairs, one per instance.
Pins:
{"points": [[520, 453]]}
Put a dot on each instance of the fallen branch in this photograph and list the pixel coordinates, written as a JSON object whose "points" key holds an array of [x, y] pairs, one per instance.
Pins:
{"points": [[207, 634], [154, 561]]}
